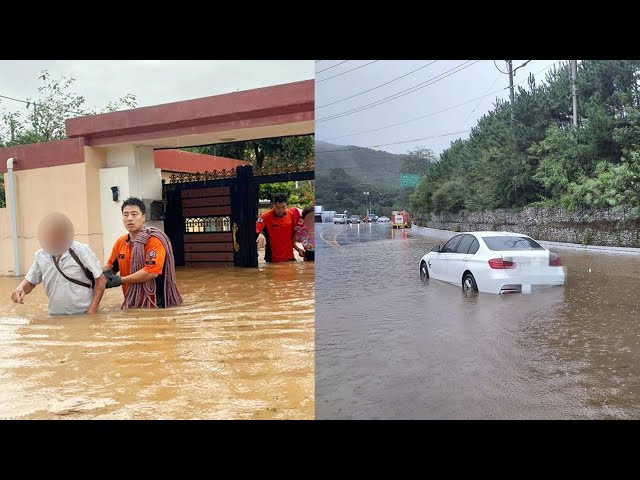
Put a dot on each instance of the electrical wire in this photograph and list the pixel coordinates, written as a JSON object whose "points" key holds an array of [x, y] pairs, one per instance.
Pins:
{"points": [[483, 97], [347, 71], [403, 93], [435, 113], [39, 105], [496, 65], [332, 66], [381, 85]]}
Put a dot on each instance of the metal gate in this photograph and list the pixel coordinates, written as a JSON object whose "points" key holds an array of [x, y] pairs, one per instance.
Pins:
{"points": [[211, 217], [208, 237]]}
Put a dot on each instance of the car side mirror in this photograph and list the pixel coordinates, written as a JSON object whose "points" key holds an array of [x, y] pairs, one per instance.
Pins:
{"points": [[435, 248]]}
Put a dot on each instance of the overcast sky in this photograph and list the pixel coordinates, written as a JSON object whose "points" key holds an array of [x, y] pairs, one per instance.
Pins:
{"points": [[448, 83], [152, 81]]}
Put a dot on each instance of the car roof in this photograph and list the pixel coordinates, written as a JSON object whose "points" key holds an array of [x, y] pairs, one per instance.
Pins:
{"points": [[489, 233]]}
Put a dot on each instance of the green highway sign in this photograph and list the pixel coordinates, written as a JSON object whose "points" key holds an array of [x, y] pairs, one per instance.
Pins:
{"points": [[409, 180]]}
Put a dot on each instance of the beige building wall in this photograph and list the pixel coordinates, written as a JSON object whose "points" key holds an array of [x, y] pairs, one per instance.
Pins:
{"points": [[70, 189], [95, 159]]}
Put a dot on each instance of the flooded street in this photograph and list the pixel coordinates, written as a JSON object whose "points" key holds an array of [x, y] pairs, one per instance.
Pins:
{"points": [[241, 347], [389, 346]]}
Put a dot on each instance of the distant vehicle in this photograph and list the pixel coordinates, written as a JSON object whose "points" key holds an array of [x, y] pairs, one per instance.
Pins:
{"points": [[354, 219], [493, 262], [400, 219], [383, 219], [340, 218], [370, 217]]}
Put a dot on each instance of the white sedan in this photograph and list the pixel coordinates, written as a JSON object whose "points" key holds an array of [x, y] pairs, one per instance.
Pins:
{"points": [[493, 262]]}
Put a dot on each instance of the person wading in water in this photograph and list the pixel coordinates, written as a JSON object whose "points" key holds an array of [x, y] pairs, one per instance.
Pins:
{"points": [[147, 252], [69, 271], [275, 231]]}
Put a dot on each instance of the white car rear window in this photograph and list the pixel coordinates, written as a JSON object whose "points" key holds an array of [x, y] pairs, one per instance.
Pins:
{"points": [[511, 243]]}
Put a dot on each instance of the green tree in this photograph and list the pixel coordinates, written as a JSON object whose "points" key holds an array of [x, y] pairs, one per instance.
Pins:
{"points": [[265, 152], [450, 197], [539, 156], [339, 191], [302, 196], [268, 190], [47, 111], [612, 186], [563, 158], [418, 161]]}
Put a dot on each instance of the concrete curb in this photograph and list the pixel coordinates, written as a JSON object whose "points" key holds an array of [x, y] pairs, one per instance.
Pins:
{"points": [[434, 232]]}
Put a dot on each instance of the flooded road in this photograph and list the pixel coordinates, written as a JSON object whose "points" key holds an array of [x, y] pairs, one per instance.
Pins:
{"points": [[389, 346], [241, 347]]}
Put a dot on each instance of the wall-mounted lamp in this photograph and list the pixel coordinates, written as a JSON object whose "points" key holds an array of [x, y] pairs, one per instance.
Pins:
{"points": [[115, 192]]}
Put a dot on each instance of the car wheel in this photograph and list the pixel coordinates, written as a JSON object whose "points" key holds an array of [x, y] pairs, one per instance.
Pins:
{"points": [[424, 272], [469, 283]]}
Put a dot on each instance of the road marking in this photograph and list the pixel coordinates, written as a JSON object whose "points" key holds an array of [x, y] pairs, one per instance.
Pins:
{"points": [[332, 243]]}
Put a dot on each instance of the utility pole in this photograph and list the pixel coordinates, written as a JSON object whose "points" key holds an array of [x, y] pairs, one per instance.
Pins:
{"points": [[574, 88], [512, 73], [511, 93]]}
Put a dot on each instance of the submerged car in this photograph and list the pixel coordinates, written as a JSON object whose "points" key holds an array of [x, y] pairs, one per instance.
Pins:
{"points": [[354, 219], [339, 218], [493, 262], [383, 219]]}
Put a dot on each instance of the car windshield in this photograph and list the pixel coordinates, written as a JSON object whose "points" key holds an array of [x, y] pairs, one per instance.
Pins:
{"points": [[511, 243]]}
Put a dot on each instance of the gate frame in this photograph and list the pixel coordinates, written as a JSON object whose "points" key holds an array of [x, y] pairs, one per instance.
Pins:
{"points": [[244, 188]]}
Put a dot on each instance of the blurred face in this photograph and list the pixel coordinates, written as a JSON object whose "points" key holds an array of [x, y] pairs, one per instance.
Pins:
{"points": [[279, 209], [133, 218], [55, 235]]}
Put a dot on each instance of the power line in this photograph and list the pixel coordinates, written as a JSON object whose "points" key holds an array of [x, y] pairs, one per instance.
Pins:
{"points": [[483, 96], [38, 105], [332, 66], [346, 71], [504, 73], [402, 93], [432, 137], [381, 85], [434, 113], [416, 118], [394, 143]]}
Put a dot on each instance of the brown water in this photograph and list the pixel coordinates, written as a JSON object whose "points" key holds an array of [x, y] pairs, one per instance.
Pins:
{"points": [[389, 346], [241, 347]]}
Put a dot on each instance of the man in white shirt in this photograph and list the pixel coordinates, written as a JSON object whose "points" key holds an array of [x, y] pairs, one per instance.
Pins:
{"points": [[69, 271]]}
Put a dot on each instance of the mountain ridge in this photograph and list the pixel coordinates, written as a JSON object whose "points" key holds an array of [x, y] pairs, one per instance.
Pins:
{"points": [[369, 165]]}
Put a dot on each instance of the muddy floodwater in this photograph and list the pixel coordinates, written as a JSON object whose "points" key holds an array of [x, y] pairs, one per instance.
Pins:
{"points": [[241, 347], [389, 346]]}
